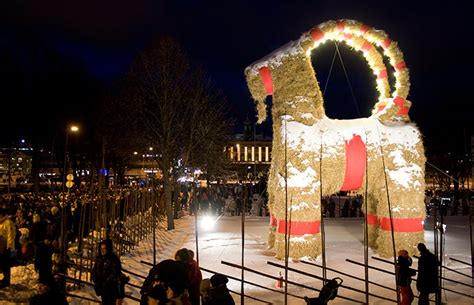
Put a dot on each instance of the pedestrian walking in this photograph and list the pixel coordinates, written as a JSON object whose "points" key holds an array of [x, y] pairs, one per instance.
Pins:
{"points": [[106, 275], [404, 275], [427, 281]]}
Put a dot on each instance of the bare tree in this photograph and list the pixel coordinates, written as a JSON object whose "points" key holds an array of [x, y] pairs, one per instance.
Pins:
{"points": [[179, 110]]}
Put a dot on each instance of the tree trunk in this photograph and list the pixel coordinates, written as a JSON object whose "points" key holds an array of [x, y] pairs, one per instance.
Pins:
{"points": [[167, 190]]}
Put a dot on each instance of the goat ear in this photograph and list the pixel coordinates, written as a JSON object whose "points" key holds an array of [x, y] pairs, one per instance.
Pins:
{"points": [[260, 85]]}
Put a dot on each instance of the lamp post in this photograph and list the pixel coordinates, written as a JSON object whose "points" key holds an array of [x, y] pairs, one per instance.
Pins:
{"points": [[74, 129]]}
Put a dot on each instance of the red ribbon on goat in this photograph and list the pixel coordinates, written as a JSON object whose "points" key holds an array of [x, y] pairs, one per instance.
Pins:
{"points": [[356, 155], [407, 225], [298, 227], [266, 76]]}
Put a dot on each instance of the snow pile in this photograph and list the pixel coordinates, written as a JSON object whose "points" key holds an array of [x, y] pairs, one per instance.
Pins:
{"points": [[23, 286]]}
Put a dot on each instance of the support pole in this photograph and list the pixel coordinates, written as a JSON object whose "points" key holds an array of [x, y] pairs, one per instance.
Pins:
{"points": [[471, 234], [242, 274], [196, 231], [287, 238], [391, 223], [323, 231], [366, 226], [153, 217]]}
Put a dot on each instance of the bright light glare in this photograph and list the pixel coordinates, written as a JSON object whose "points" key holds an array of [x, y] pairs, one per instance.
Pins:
{"points": [[207, 222], [74, 128]]}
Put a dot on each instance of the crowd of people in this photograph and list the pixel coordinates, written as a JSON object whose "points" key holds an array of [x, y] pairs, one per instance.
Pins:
{"points": [[30, 231], [175, 281], [229, 201], [350, 208], [33, 228]]}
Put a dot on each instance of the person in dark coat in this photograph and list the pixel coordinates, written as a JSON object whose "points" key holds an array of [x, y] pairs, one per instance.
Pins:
{"points": [[106, 275], [38, 230], [404, 277], [194, 276], [218, 293], [43, 262], [427, 281], [165, 274]]}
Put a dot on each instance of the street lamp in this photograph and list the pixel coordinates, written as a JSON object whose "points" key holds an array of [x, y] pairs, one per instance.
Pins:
{"points": [[73, 129]]}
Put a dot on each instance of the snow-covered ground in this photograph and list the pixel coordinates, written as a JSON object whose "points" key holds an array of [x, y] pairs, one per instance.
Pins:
{"points": [[344, 240]]}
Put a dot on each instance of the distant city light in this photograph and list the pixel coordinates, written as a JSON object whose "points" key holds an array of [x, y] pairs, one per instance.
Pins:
{"points": [[23, 141]]}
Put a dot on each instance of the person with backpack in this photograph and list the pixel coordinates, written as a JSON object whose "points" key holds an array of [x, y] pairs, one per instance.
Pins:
{"points": [[427, 281], [404, 277]]}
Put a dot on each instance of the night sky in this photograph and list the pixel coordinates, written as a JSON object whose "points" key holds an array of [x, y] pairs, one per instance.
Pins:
{"points": [[57, 58]]}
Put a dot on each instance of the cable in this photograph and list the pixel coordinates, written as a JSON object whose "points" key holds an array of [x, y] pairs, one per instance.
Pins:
{"points": [[330, 69], [348, 81], [443, 172]]}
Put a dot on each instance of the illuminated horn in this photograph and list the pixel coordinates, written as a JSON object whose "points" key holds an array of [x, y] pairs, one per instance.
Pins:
{"points": [[363, 38]]}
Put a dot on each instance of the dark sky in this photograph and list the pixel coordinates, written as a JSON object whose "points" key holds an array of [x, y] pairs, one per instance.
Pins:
{"points": [[56, 57]]}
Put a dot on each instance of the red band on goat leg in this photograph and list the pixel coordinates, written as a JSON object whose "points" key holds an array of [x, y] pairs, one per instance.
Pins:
{"points": [[298, 227], [402, 224]]}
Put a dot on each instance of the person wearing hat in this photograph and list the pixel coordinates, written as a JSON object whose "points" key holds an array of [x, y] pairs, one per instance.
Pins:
{"points": [[404, 275], [7, 245], [218, 294], [427, 281]]}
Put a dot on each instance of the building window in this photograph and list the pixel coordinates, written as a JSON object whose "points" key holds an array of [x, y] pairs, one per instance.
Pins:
{"points": [[260, 154], [267, 157]]}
